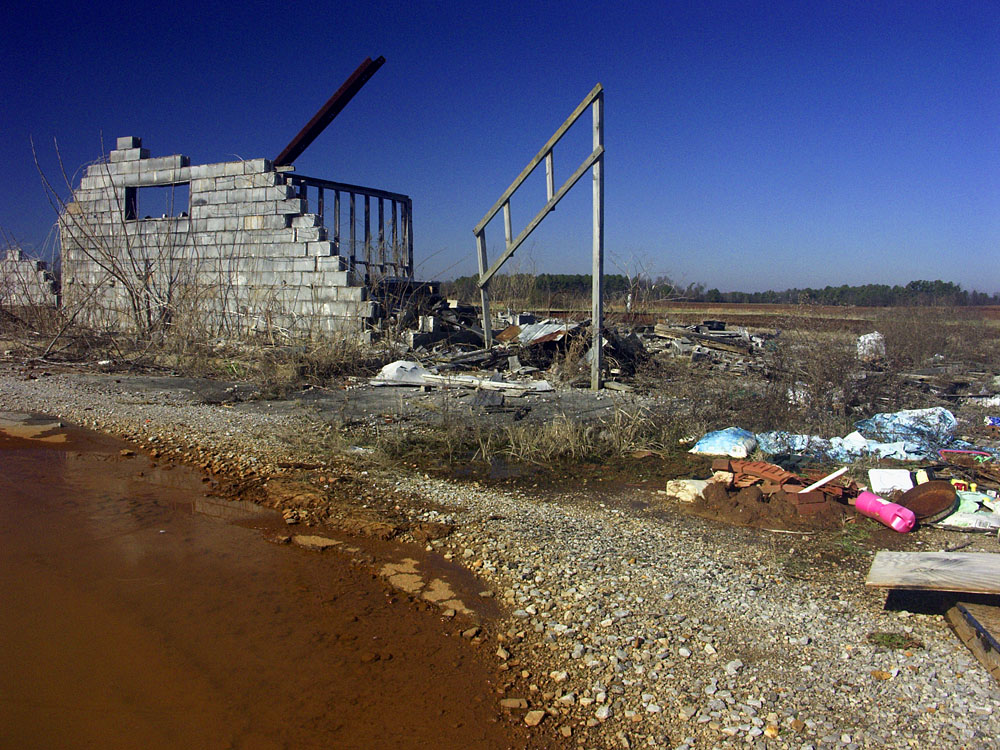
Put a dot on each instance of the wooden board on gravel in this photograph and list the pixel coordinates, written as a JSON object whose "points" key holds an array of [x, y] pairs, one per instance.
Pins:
{"points": [[969, 572]]}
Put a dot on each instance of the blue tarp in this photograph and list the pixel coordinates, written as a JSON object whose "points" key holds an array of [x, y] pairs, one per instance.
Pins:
{"points": [[908, 435], [929, 428]]}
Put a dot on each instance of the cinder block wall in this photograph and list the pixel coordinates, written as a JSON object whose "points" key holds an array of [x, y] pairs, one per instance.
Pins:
{"points": [[25, 282], [237, 252]]}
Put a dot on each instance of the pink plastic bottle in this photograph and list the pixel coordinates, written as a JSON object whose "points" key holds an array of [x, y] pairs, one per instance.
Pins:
{"points": [[895, 516]]}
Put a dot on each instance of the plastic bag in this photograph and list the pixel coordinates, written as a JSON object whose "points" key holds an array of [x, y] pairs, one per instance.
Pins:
{"points": [[732, 442]]}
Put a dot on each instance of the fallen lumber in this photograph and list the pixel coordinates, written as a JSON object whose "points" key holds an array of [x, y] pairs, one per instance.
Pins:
{"points": [[708, 341], [969, 572], [978, 627]]}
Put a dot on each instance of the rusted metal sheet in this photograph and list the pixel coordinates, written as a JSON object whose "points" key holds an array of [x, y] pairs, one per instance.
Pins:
{"points": [[333, 107], [931, 500], [535, 333], [544, 332], [508, 334]]}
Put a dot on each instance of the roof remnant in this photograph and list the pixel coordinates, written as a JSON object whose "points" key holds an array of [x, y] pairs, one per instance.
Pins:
{"points": [[537, 333]]}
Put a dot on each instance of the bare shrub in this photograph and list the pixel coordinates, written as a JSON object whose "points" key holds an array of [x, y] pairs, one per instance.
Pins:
{"points": [[919, 337]]}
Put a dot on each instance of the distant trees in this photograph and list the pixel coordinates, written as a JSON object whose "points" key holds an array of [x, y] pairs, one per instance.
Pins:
{"points": [[558, 289], [915, 294]]}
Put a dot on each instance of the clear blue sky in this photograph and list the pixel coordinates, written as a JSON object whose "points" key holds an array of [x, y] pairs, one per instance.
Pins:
{"points": [[750, 145]]}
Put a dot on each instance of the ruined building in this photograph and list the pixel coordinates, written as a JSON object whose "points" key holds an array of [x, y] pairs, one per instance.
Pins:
{"points": [[227, 249], [25, 282]]}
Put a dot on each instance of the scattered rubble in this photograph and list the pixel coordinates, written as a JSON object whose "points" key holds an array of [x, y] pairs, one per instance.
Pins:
{"points": [[733, 633]]}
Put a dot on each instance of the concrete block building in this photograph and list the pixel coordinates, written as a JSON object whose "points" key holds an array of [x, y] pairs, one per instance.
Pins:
{"points": [[25, 282], [232, 248]]}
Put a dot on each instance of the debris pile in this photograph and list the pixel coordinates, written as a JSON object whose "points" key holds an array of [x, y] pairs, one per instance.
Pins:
{"points": [[710, 342], [763, 492], [955, 488]]}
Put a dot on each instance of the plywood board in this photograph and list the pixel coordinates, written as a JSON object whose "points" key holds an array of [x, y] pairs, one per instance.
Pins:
{"points": [[970, 572]]}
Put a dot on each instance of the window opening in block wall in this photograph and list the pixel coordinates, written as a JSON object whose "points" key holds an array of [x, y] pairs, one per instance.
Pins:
{"points": [[158, 202]]}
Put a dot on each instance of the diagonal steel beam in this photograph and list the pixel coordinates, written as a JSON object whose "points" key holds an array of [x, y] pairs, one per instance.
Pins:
{"points": [[333, 107]]}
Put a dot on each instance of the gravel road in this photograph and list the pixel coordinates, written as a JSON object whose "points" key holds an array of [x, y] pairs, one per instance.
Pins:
{"points": [[629, 623]]}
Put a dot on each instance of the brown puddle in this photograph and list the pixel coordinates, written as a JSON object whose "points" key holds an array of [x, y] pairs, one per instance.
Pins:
{"points": [[127, 619]]}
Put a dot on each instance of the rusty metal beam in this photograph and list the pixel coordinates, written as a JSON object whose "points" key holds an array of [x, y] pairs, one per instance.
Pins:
{"points": [[333, 107]]}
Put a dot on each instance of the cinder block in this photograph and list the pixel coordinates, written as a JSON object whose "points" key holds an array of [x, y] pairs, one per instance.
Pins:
{"points": [[277, 221], [261, 245], [250, 166], [240, 195], [265, 222], [97, 170], [346, 309], [128, 167], [324, 247], [218, 210], [332, 263], [207, 171], [128, 154], [201, 184], [200, 238], [283, 236], [278, 193], [128, 141], [287, 265], [330, 279], [266, 179], [310, 234], [290, 206], [99, 181], [175, 161], [306, 220], [169, 175], [257, 180]]}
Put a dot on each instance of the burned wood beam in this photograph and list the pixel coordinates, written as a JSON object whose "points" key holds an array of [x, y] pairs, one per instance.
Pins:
{"points": [[333, 107]]}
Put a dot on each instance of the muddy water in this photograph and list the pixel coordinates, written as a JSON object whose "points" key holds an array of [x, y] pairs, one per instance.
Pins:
{"points": [[135, 613]]}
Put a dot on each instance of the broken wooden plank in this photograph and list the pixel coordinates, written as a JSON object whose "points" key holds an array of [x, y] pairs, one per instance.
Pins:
{"points": [[987, 621], [978, 627], [970, 572]]}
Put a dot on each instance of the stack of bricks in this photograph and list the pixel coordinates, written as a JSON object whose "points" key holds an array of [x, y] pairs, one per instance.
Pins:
{"points": [[775, 481], [242, 249], [25, 282]]}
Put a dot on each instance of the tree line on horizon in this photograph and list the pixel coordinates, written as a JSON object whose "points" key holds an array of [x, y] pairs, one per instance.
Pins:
{"points": [[549, 288]]}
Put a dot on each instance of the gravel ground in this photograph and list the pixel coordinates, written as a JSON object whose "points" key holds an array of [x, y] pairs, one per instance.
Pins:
{"points": [[629, 625]]}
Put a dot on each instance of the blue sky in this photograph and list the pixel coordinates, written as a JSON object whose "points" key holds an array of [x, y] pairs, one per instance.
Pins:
{"points": [[749, 145]]}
